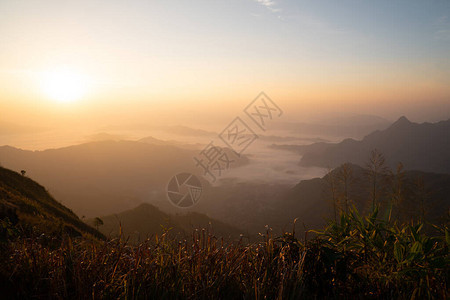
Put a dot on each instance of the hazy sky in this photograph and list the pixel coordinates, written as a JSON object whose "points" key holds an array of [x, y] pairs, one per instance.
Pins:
{"points": [[183, 61]]}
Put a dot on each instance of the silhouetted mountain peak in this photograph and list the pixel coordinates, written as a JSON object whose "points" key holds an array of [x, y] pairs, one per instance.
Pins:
{"points": [[147, 220], [422, 147], [402, 121]]}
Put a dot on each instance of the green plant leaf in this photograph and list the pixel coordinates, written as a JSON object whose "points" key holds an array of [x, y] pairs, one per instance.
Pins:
{"points": [[399, 251], [416, 247]]}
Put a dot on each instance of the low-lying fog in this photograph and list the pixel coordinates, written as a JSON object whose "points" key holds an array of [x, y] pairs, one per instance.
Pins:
{"points": [[265, 165], [274, 166]]}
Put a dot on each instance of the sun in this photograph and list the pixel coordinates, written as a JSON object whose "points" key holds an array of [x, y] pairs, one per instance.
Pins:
{"points": [[64, 85]]}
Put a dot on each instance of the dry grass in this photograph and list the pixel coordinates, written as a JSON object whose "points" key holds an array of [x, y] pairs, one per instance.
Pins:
{"points": [[355, 257]]}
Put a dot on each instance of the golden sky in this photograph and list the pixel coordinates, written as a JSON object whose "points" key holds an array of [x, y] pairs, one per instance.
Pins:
{"points": [[119, 62]]}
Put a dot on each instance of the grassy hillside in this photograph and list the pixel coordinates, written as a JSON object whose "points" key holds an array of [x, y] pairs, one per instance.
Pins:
{"points": [[147, 221], [27, 204]]}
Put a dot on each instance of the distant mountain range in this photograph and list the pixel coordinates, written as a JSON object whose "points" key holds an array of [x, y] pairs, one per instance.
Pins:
{"points": [[424, 147], [147, 221], [106, 177], [26, 203]]}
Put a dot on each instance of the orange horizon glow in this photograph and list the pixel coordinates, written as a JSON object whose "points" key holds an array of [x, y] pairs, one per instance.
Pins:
{"points": [[157, 63]]}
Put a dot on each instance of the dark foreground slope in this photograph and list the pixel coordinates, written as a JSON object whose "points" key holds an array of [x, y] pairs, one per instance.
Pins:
{"points": [[27, 204]]}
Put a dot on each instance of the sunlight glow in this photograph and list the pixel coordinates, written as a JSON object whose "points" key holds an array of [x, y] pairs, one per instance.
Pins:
{"points": [[64, 85]]}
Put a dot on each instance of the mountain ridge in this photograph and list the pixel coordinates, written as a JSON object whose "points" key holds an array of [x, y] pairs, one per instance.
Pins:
{"points": [[146, 220], [424, 146]]}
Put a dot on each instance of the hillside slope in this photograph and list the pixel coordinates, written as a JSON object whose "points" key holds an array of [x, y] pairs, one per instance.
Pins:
{"points": [[311, 200], [27, 203]]}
